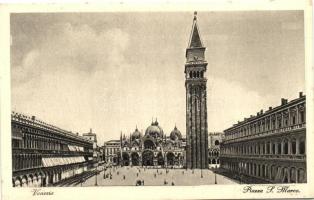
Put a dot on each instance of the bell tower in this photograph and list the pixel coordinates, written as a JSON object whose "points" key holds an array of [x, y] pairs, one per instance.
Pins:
{"points": [[196, 106]]}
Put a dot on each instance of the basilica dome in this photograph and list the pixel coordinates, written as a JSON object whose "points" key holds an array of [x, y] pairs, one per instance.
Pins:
{"points": [[175, 134], [136, 134], [154, 130]]}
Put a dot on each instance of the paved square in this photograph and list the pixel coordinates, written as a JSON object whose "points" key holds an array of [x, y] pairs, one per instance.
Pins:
{"points": [[127, 176]]}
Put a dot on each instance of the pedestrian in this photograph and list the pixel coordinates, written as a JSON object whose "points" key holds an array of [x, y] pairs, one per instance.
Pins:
{"points": [[155, 175], [172, 183], [142, 182], [123, 177]]}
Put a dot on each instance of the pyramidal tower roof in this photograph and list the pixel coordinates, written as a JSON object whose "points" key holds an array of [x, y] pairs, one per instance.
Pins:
{"points": [[195, 38]]}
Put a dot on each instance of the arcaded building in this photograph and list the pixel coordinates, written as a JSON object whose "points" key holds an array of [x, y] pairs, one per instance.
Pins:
{"points": [[153, 148], [269, 147], [43, 154]]}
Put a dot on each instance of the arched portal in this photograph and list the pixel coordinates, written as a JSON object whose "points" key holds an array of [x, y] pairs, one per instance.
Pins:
{"points": [[148, 158], [285, 175], [17, 182], [160, 159], [125, 159], [293, 175], [149, 144], [170, 158], [135, 159], [216, 142], [301, 176]]}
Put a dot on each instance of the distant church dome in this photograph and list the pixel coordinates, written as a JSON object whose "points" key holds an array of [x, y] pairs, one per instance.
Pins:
{"points": [[136, 134], [154, 130], [175, 134]]}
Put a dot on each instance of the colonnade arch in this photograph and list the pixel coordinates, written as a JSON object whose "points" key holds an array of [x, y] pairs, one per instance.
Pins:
{"points": [[268, 172]]}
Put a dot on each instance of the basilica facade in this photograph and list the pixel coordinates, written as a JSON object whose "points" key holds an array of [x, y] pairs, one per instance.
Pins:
{"points": [[153, 148]]}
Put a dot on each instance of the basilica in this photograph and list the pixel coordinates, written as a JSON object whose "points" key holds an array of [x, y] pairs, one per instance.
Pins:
{"points": [[154, 148]]}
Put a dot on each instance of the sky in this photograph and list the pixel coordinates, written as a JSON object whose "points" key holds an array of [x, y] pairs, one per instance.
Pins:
{"points": [[117, 70]]}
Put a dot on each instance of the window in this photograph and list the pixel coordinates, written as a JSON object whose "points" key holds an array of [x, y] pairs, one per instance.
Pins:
{"points": [[294, 147], [279, 123], [268, 148], [302, 147], [279, 148], [273, 149], [285, 147], [302, 116], [286, 121]]}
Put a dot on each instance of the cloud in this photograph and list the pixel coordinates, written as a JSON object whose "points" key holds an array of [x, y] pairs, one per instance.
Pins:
{"points": [[229, 102], [79, 78], [64, 74], [113, 76]]}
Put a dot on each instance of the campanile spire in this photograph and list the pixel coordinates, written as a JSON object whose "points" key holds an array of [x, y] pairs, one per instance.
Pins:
{"points": [[196, 98]]}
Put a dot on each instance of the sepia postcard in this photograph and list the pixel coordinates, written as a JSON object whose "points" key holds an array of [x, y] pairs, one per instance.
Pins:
{"points": [[163, 101]]}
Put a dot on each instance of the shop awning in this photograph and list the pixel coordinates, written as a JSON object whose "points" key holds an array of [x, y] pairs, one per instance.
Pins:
{"points": [[55, 161]]}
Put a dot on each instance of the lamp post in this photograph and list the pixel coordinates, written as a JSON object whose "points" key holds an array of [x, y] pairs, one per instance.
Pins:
{"points": [[201, 172], [215, 175], [96, 184]]}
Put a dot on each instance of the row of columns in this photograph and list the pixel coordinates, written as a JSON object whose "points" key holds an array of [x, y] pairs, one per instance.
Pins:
{"points": [[47, 178], [288, 146], [273, 173]]}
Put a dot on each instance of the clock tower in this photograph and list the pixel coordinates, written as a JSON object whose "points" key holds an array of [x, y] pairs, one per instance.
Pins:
{"points": [[196, 106]]}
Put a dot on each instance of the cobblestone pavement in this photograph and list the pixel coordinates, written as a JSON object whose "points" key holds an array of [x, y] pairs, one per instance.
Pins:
{"points": [[128, 176]]}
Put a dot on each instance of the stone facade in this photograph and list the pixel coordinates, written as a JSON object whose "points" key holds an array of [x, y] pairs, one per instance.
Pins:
{"points": [[196, 106], [43, 154], [269, 147], [153, 149], [111, 149], [214, 141]]}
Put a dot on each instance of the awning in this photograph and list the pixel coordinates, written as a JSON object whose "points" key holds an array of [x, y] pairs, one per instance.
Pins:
{"points": [[55, 161]]}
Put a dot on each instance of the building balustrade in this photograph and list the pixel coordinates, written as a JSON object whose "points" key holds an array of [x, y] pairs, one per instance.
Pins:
{"points": [[253, 156], [40, 125], [266, 133]]}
